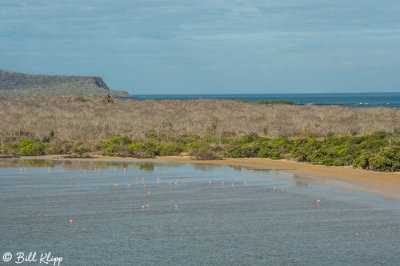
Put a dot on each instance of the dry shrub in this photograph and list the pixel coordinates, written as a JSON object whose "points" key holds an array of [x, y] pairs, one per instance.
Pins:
{"points": [[54, 119]]}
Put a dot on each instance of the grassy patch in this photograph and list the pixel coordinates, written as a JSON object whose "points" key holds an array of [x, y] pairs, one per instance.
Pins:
{"points": [[29, 147]]}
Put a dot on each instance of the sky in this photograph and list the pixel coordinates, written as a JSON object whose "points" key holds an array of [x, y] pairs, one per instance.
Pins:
{"points": [[208, 46]]}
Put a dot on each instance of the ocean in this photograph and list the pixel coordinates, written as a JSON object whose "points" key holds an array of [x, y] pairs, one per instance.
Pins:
{"points": [[377, 99]]}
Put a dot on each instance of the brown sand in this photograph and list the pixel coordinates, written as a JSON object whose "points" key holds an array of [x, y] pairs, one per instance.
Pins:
{"points": [[386, 184]]}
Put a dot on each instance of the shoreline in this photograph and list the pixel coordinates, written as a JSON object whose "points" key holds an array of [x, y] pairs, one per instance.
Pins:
{"points": [[385, 184]]}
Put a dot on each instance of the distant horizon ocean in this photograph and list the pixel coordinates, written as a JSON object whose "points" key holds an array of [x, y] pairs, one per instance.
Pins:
{"points": [[373, 99]]}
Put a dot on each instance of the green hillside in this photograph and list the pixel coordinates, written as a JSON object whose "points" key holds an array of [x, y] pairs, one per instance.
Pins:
{"points": [[14, 84]]}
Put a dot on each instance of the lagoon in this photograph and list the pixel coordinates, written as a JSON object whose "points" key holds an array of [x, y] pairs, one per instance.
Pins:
{"points": [[245, 220]]}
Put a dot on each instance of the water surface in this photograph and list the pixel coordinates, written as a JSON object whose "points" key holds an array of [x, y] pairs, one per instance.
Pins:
{"points": [[216, 224]]}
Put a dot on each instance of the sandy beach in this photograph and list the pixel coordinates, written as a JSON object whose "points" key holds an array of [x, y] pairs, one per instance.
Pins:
{"points": [[386, 184]]}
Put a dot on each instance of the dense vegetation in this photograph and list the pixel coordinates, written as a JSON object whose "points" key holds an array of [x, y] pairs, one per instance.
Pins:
{"points": [[379, 151], [19, 84]]}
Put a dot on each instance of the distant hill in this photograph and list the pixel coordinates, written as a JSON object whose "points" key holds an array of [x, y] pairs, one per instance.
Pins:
{"points": [[14, 84]]}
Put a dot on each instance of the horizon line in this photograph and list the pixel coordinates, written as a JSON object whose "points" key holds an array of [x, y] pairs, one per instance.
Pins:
{"points": [[288, 93]]}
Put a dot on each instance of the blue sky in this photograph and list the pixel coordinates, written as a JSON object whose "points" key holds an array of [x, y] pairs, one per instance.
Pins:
{"points": [[209, 46]]}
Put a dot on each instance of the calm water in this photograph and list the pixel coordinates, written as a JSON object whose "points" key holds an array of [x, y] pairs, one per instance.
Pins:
{"points": [[214, 224], [345, 99]]}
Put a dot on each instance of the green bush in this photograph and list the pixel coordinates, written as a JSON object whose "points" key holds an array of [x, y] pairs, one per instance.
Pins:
{"points": [[379, 163], [146, 149], [388, 159], [268, 151], [117, 145], [253, 146], [170, 150], [249, 138], [242, 150], [193, 145], [225, 140], [331, 151], [120, 140], [211, 140], [304, 149], [281, 145], [367, 152], [372, 142], [362, 161], [30, 147]]}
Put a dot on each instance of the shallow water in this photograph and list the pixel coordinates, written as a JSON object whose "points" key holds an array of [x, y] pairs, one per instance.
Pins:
{"points": [[214, 224]]}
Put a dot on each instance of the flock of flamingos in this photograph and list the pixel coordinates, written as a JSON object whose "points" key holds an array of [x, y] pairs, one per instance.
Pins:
{"points": [[171, 183]]}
